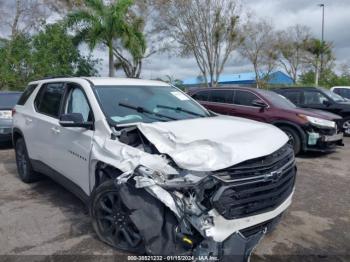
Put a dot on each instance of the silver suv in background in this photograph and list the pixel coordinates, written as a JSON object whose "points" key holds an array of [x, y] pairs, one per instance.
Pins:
{"points": [[8, 101], [161, 174]]}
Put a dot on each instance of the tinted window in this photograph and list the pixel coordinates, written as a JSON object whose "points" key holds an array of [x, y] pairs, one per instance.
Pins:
{"points": [[244, 98], [49, 99], [276, 99], [314, 98], [26, 94], [77, 103], [202, 95], [345, 93], [222, 96], [294, 96], [8, 101]]}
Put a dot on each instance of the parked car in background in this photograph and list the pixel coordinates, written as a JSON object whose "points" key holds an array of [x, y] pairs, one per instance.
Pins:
{"points": [[343, 91], [319, 98], [161, 174], [7, 102], [308, 130]]}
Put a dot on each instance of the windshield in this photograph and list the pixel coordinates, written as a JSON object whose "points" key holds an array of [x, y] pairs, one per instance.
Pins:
{"points": [[130, 104], [277, 100], [9, 100], [332, 95]]}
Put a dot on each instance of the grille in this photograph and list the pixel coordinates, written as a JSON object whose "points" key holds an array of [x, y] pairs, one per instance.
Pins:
{"points": [[255, 186]]}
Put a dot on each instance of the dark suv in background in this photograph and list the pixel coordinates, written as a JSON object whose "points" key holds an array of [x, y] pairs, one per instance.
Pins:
{"points": [[319, 98], [308, 130]]}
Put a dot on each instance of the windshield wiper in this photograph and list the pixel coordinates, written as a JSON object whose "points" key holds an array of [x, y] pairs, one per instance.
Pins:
{"points": [[181, 109], [143, 110]]}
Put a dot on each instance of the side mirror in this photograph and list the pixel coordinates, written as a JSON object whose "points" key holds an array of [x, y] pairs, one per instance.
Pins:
{"points": [[74, 120], [259, 103], [326, 102]]}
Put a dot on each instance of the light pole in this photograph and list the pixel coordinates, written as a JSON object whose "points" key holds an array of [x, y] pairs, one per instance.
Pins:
{"points": [[322, 39]]}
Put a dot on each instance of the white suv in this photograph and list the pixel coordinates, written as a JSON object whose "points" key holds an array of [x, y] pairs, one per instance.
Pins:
{"points": [[160, 174]]}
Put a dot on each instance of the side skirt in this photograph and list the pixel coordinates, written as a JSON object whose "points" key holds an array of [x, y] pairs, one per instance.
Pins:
{"points": [[44, 169]]}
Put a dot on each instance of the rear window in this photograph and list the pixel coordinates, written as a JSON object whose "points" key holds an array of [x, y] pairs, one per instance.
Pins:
{"points": [[8, 101], [49, 98], [26, 94]]}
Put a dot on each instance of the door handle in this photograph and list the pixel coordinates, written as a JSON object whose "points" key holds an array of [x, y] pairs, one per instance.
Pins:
{"points": [[55, 130]]}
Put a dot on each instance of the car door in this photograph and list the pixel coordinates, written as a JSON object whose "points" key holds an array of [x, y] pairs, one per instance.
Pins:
{"points": [[74, 144], [243, 106], [42, 125]]}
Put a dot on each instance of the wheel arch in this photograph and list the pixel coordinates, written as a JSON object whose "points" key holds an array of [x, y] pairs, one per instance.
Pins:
{"points": [[16, 134], [295, 127], [103, 172]]}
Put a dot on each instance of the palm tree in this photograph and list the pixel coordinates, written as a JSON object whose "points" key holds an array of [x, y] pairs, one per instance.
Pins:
{"points": [[317, 49], [100, 23]]}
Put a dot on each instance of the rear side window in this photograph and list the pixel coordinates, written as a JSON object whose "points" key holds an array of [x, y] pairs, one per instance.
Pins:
{"points": [[294, 96], [244, 98], [26, 94], [222, 96], [202, 95], [49, 99]]}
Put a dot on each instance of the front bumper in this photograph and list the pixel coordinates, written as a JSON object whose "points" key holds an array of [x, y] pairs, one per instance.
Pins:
{"points": [[5, 134], [322, 139], [323, 143], [239, 245]]}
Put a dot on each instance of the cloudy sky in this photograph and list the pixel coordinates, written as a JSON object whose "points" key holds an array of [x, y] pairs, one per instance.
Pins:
{"points": [[282, 13]]}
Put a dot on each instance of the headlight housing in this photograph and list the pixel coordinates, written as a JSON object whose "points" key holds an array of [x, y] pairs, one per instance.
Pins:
{"points": [[318, 121]]}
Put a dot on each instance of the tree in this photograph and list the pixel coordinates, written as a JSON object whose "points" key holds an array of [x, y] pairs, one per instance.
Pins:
{"points": [[100, 23], [329, 79], [259, 47], [22, 16], [292, 49], [131, 49], [315, 48], [204, 29], [15, 68], [55, 53], [51, 52]]}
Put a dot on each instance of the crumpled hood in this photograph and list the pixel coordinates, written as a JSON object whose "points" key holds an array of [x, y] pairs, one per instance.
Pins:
{"points": [[213, 143]]}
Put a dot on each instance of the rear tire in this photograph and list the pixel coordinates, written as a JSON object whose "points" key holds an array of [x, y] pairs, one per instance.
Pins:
{"points": [[294, 138], [24, 167], [111, 222]]}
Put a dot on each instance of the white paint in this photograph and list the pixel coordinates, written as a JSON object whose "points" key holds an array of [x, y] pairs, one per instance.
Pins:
{"points": [[208, 144]]}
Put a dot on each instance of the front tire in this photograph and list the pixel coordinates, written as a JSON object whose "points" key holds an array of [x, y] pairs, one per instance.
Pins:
{"points": [[24, 167], [294, 138], [111, 221], [346, 126]]}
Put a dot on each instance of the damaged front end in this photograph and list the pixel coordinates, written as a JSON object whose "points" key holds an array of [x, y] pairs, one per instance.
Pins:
{"points": [[221, 214]]}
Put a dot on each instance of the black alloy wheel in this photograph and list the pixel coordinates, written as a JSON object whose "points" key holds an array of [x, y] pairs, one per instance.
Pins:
{"points": [[346, 127], [112, 222], [24, 167]]}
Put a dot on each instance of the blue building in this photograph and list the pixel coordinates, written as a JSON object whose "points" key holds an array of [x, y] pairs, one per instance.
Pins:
{"points": [[241, 79]]}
